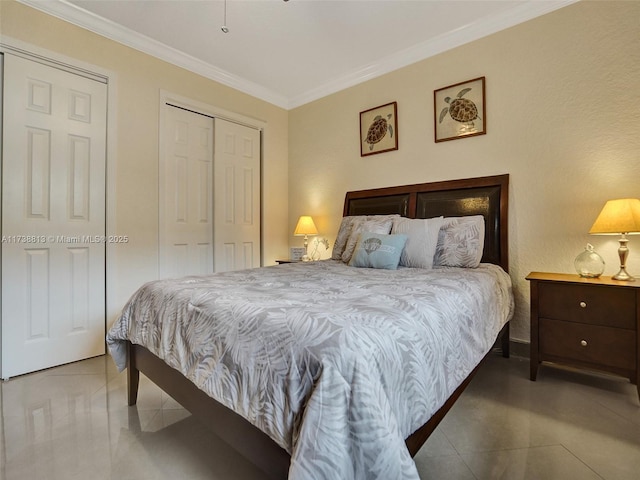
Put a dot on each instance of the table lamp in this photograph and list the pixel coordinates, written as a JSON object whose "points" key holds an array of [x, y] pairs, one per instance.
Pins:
{"points": [[619, 217], [305, 227]]}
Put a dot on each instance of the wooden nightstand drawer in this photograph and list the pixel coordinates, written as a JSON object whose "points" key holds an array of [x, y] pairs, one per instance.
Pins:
{"points": [[611, 306], [588, 344], [585, 322]]}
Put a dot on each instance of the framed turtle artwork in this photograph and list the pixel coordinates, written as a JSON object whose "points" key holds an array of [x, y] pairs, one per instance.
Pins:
{"points": [[379, 129], [460, 110]]}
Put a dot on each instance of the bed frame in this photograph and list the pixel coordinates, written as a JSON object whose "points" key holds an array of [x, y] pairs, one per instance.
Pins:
{"points": [[487, 196]]}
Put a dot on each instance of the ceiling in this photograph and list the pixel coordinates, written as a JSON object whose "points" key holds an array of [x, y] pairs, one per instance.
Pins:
{"points": [[292, 52]]}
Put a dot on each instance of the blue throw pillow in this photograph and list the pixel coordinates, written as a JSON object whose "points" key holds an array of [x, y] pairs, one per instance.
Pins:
{"points": [[375, 250]]}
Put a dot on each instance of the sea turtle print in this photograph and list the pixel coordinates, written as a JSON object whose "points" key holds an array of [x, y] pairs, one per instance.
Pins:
{"points": [[378, 129], [461, 109]]}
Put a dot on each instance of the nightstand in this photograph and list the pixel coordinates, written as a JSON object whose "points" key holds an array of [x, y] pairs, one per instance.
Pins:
{"points": [[585, 322], [280, 262]]}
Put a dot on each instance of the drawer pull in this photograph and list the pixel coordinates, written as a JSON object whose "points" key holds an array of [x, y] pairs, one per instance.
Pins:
{"points": [[583, 304], [583, 343]]}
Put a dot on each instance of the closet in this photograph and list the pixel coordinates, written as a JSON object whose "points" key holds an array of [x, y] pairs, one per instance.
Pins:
{"points": [[53, 214]]}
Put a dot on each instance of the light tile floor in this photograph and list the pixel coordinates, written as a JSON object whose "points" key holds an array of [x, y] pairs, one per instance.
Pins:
{"points": [[72, 422]]}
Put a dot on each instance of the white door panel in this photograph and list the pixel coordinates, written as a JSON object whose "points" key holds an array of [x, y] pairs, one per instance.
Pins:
{"points": [[237, 196], [53, 217], [186, 218]]}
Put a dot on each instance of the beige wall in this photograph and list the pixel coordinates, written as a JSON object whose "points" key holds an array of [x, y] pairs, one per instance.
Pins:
{"points": [[139, 79], [563, 96]]}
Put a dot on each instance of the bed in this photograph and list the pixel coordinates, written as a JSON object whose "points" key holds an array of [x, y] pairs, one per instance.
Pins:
{"points": [[360, 414]]}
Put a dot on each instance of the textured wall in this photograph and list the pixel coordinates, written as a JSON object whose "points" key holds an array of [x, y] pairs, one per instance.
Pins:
{"points": [[563, 96]]}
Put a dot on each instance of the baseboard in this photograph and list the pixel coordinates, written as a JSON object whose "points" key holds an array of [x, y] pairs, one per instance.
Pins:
{"points": [[519, 348]]}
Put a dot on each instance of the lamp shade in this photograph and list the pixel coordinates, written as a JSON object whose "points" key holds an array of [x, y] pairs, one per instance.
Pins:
{"points": [[618, 216], [305, 226]]}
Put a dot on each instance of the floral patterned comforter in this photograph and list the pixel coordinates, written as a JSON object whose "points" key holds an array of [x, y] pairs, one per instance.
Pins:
{"points": [[337, 364]]}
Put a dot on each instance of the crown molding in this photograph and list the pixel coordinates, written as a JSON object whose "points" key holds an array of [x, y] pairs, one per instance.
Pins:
{"points": [[468, 33], [82, 18], [455, 38]]}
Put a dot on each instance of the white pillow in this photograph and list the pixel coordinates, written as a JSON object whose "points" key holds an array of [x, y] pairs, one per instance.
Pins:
{"points": [[460, 242], [374, 224], [422, 238]]}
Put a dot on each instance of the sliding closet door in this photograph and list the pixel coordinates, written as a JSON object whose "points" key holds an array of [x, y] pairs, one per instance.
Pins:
{"points": [[209, 194], [186, 194], [53, 217], [237, 196]]}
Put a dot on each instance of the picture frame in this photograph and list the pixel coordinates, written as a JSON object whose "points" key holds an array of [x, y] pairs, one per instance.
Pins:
{"points": [[379, 129], [296, 253], [460, 111]]}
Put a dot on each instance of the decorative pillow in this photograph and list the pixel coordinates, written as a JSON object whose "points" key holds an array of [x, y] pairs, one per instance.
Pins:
{"points": [[460, 242], [422, 238], [374, 250], [375, 224], [343, 235], [345, 231]]}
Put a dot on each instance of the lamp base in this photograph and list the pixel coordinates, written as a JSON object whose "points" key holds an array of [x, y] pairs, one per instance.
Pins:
{"points": [[623, 275], [623, 252]]}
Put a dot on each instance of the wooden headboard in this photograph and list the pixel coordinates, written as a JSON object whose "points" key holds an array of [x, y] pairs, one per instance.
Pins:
{"points": [[486, 196]]}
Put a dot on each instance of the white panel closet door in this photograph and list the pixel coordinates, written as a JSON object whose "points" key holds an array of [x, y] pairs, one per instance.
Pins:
{"points": [[237, 196], [186, 194], [53, 217]]}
